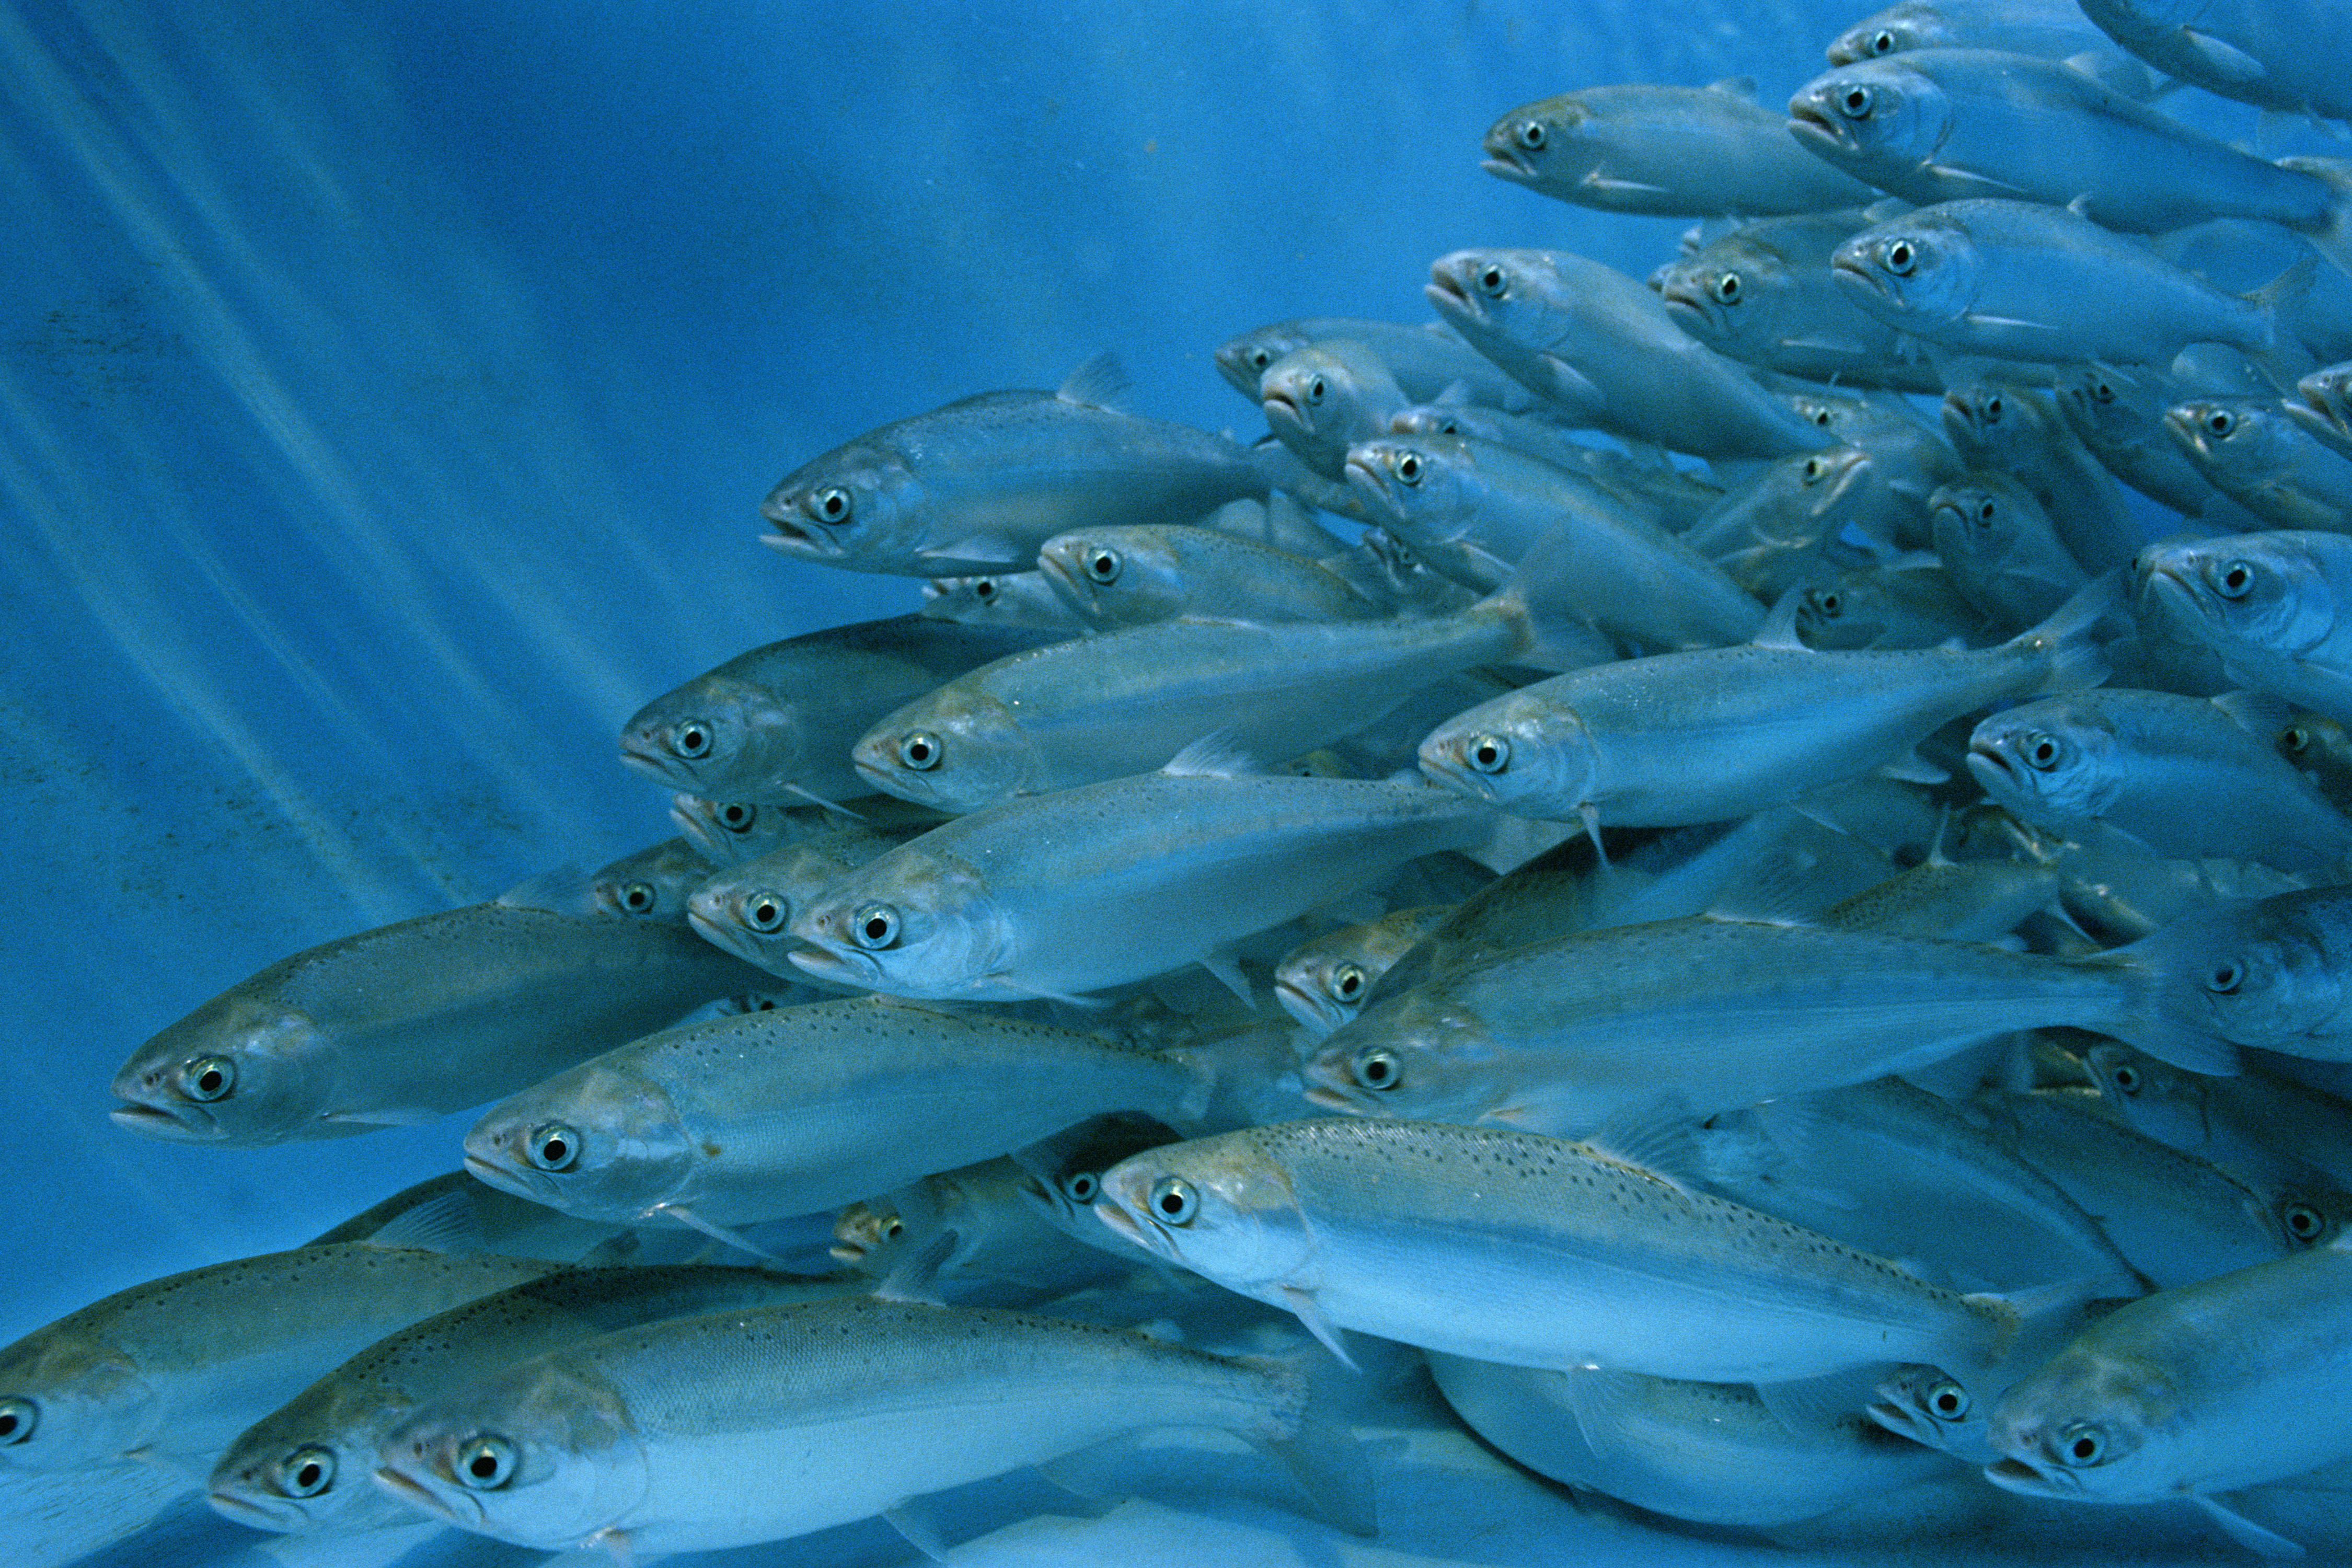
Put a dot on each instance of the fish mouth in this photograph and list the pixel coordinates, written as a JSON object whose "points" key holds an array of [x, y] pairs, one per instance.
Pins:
{"points": [[503, 1178], [1850, 473], [838, 966], [795, 538], [1446, 292], [2016, 1476], [1123, 1225], [1680, 294], [1066, 581], [1994, 769], [2188, 430], [1855, 273], [173, 1123], [1510, 167], [417, 1495], [1364, 477], [1281, 408], [658, 766], [1310, 1009], [283, 1518], [1811, 126], [1331, 1099], [1442, 769], [726, 938], [1901, 1422]]}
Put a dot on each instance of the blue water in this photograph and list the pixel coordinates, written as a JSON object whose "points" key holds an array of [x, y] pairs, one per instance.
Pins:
{"points": [[386, 392]]}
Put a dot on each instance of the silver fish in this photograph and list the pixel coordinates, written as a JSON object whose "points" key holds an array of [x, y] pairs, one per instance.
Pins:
{"points": [[454, 1213], [2278, 53], [1324, 981], [1113, 578], [2271, 971], [2118, 413], [2265, 461], [1527, 1251], [1602, 348], [767, 1115], [1324, 398], [2269, 1132], [730, 832], [1999, 423], [410, 1021], [1674, 498], [1910, 603], [746, 910], [2002, 550], [737, 1427], [1668, 152], [1022, 598], [2323, 405], [2267, 604], [2054, 31], [307, 1464], [979, 485], [1426, 360], [776, 724]]}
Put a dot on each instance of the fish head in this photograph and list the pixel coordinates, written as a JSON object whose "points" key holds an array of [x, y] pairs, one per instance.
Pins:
{"points": [[1729, 295], [2256, 972], [2311, 1214], [651, 884], [1891, 32], [1980, 522], [1419, 486], [957, 750], [2234, 437], [915, 923], [539, 1456], [1490, 295], [1219, 1206], [1323, 981], [727, 831], [600, 1142], [2112, 401], [1517, 749], [2154, 1096], [714, 732], [855, 502], [1418, 1055], [244, 1068], [1118, 577], [307, 1465], [748, 910], [1311, 393], [2087, 1426], [1917, 271], [2259, 590], [1997, 416], [1930, 1405], [2316, 741], [2051, 763], [1244, 361], [1552, 141], [1871, 116], [70, 1401]]}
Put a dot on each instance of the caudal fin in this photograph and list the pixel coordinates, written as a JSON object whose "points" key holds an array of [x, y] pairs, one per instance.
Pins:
{"points": [[2070, 640], [1553, 633], [1316, 1445]]}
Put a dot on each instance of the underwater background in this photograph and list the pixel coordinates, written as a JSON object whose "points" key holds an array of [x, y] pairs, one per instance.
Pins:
{"points": [[386, 394]]}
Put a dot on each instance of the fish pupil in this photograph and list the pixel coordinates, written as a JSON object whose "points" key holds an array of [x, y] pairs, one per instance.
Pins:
{"points": [[637, 896], [2084, 1448], [738, 818], [1899, 257], [2296, 739], [553, 1151], [2303, 1222], [984, 590], [1082, 1187], [1985, 512], [483, 1467], [1881, 44], [1858, 101], [2227, 978], [7, 1425], [2221, 424], [1531, 135], [209, 1080], [307, 1476], [1491, 280], [1409, 468], [2127, 1079], [765, 914]]}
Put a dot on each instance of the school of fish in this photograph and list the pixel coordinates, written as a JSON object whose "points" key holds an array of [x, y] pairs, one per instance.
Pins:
{"points": [[1753, 865]]}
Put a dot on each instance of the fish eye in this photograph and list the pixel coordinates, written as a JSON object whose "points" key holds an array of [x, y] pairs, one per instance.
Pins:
{"points": [[1172, 1200], [1377, 1068], [831, 504], [2303, 1222], [2235, 580], [2226, 978], [1314, 391], [1882, 42], [1990, 409], [1830, 603], [1854, 102], [2126, 1079], [1493, 281], [766, 913], [2042, 751], [1814, 470], [1346, 983], [1489, 753], [738, 816], [1103, 566], [552, 1146], [1822, 417], [307, 1472], [1260, 358], [2295, 739], [637, 898], [876, 927], [1080, 1186], [984, 589], [1948, 1401], [484, 1463], [16, 1420], [207, 1079], [2082, 1444], [1532, 136], [2220, 422], [1726, 288], [1900, 258], [919, 749], [1406, 467], [1987, 511], [690, 738], [2102, 392]]}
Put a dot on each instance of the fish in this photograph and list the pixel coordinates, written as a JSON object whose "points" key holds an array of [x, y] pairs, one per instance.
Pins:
{"points": [[1674, 498], [1947, 124], [168, 1371], [2000, 425], [2269, 971], [746, 910], [737, 1427], [650, 885], [2118, 415], [410, 1021], [2021, 281], [2206, 1388], [2265, 604], [1130, 700], [309, 1465], [775, 725], [2266, 462], [1909, 602], [1505, 1247], [1567, 1033], [730, 832], [2054, 31], [1665, 151], [1716, 733], [2188, 778], [2266, 1131], [1176, 865], [1802, 519], [2002, 551], [1113, 578], [454, 1212], [763, 1116], [1426, 360], [2271, 53], [1714, 1453], [1604, 350], [1321, 399], [978, 485], [1324, 981], [2323, 405], [1018, 598]]}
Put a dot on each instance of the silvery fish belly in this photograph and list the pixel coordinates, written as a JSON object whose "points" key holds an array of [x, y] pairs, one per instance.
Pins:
{"points": [[737, 1427], [1710, 1452], [168, 1371], [766, 1115], [1089, 888], [979, 485], [1510, 1248], [2269, 605], [410, 1021], [309, 1465], [1564, 1035]]}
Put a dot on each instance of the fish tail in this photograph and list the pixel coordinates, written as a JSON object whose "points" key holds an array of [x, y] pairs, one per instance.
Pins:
{"points": [[1314, 1443], [2024, 1327], [1540, 601], [2074, 657]]}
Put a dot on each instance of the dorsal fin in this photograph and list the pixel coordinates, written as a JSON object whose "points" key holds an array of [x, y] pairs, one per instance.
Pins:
{"points": [[1214, 755], [565, 890], [1097, 383], [1739, 86], [1780, 628]]}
